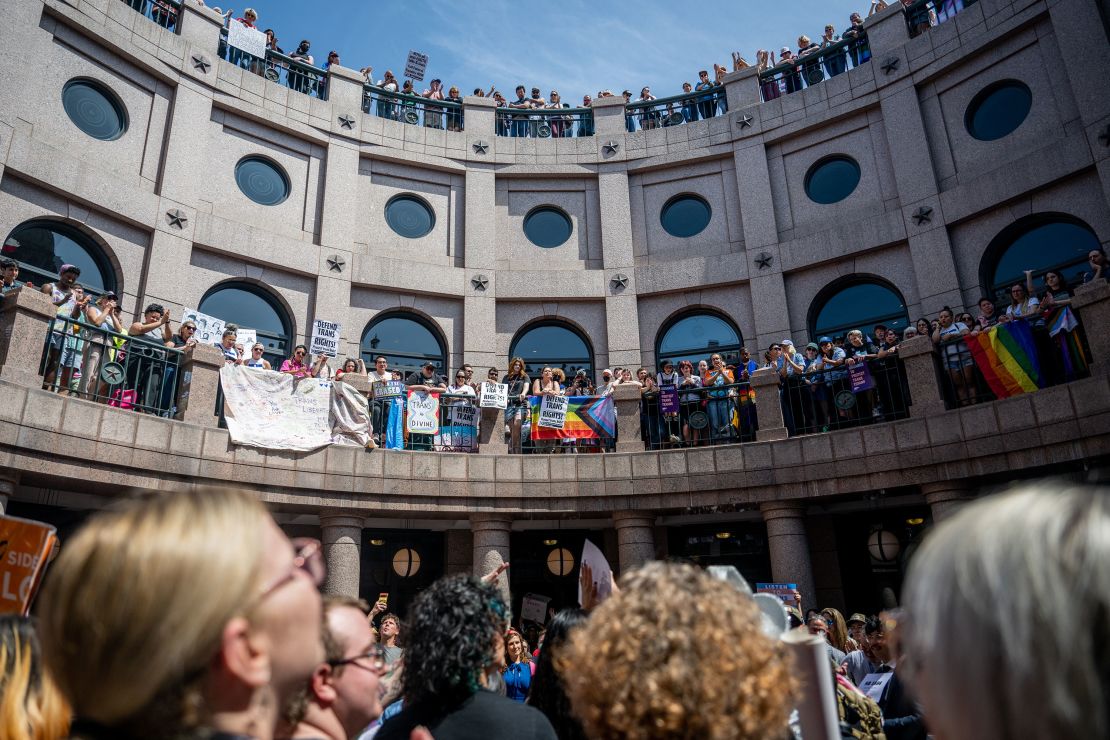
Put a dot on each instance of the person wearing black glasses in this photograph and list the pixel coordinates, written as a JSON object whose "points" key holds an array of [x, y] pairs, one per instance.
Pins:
{"points": [[342, 698]]}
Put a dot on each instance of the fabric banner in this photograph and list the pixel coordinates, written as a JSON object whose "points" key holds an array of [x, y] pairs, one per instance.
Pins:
{"points": [[1062, 328], [272, 410], [860, 377], [459, 431], [250, 40], [423, 416], [587, 418], [1007, 358], [25, 547]]}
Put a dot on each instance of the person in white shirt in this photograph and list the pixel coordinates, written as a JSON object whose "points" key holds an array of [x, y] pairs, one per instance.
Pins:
{"points": [[1023, 306]]}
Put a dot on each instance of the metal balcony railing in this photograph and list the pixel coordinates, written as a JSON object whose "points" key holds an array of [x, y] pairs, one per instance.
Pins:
{"points": [[813, 68], [279, 68], [676, 109], [414, 110], [545, 123], [166, 13]]}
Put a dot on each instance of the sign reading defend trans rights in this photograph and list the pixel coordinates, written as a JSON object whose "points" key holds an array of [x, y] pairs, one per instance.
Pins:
{"points": [[325, 338], [553, 412], [415, 66], [494, 396]]}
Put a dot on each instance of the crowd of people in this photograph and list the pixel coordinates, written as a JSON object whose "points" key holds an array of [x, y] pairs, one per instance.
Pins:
{"points": [[189, 614]]}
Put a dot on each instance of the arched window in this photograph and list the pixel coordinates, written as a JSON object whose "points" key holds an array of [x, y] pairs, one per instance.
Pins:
{"points": [[695, 336], [41, 247], [856, 302], [252, 307], [553, 344], [406, 340], [1039, 243]]}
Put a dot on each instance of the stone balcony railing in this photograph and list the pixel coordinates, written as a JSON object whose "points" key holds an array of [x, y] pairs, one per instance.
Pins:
{"points": [[45, 435]]}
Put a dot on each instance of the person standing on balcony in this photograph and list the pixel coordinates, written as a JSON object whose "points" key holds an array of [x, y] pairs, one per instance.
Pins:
{"points": [[1023, 306], [454, 115], [560, 125], [517, 406], [387, 109], [520, 122], [298, 80], [858, 48], [719, 376], [425, 379], [1098, 263], [9, 273], [960, 365], [706, 106], [835, 62], [433, 115], [101, 315], [586, 125]]}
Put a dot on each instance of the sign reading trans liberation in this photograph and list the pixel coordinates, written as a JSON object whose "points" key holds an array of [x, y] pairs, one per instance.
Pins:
{"points": [[586, 417], [415, 66]]}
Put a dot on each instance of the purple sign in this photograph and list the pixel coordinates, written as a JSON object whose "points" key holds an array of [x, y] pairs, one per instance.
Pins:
{"points": [[860, 376], [668, 401]]}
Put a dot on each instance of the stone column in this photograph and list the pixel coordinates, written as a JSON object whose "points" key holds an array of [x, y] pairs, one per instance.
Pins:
{"points": [[200, 28], [635, 539], [919, 360], [458, 546], [622, 322], [768, 406], [945, 498], [491, 546], [742, 89], [609, 125], [626, 398], [479, 243], [342, 539], [1092, 303], [491, 433], [789, 546], [200, 383], [25, 319], [479, 123]]}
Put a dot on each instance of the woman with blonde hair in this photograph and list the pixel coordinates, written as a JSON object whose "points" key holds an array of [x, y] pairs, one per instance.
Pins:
{"points": [[838, 631], [31, 707], [180, 614]]}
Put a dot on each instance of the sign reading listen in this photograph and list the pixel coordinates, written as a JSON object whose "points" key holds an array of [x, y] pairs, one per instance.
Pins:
{"points": [[325, 338]]}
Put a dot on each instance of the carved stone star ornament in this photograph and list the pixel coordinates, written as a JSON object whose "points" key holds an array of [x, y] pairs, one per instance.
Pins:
{"points": [[480, 282], [201, 63], [481, 147], [177, 218], [610, 147], [336, 263], [763, 260], [744, 120], [890, 64], [346, 121], [923, 215]]}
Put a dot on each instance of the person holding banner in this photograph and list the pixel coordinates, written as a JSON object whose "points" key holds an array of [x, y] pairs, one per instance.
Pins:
{"points": [[297, 367], [427, 381], [256, 359]]}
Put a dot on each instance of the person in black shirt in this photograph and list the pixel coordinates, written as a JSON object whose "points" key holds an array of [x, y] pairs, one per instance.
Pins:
{"points": [[425, 380], [455, 645]]}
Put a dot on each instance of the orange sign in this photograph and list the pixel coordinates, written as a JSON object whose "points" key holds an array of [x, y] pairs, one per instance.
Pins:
{"points": [[25, 548]]}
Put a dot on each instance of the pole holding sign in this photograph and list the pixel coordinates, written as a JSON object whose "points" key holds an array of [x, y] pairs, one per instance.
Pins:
{"points": [[325, 338], [494, 395], [553, 412], [415, 66]]}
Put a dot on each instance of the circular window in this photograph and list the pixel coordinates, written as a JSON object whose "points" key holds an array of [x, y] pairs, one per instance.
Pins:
{"points": [[94, 109], [262, 181], [406, 562], [547, 227], [832, 179], [685, 215], [998, 110], [409, 216], [560, 562]]}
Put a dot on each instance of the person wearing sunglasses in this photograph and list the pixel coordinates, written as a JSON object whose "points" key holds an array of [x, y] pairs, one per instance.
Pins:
{"points": [[298, 366], [184, 613], [343, 696], [256, 359]]}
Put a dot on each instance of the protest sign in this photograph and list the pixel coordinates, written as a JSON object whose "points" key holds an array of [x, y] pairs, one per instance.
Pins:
{"points": [[248, 338], [459, 432], [210, 330], [784, 591], [553, 412], [388, 389], [602, 573], [587, 417], [668, 401], [874, 684], [533, 608], [423, 412], [494, 395], [415, 66], [325, 338], [250, 40], [269, 409], [25, 548], [861, 379]]}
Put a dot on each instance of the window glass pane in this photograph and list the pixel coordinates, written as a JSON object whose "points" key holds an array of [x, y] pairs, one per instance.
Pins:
{"points": [[685, 216], [41, 249], [94, 109], [860, 306], [555, 346], [1060, 245], [262, 181], [405, 342], [832, 180], [998, 110], [547, 227], [409, 216], [695, 338]]}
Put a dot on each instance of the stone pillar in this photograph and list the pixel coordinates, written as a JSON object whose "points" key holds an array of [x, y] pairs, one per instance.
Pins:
{"points": [[491, 546], [342, 540], [742, 89], [919, 360], [479, 124], [945, 498], [25, 319], [458, 546], [200, 28], [200, 383], [768, 406], [789, 546], [635, 539], [609, 125], [491, 433], [479, 245], [622, 320], [626, 398], [887, 33], [1092, 302]]}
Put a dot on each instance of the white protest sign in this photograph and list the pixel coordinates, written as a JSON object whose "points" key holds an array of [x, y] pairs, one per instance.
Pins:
{"points": [[423, 417], [602, 573], [325, 338], [534, 608], [494, 395], [874, 684], [250, 40], [463, 416], [210, 330], [553, 412], [246, 337], [415, 66]]}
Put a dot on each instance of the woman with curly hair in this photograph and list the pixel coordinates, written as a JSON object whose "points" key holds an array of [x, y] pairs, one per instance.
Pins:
{"points": [[519, 667], [455, 644], [838, 635], [703, 669], [31, 707], [549, 694]]}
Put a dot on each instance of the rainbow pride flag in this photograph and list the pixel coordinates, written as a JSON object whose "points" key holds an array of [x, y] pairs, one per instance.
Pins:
{"points": [[1007, 357], [588, 417]]}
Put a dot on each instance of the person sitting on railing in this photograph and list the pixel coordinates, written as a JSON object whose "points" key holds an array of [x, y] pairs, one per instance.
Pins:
{"points": [[835, 63], [433, 115], [957, 359], [858, 48], [454, 115]]}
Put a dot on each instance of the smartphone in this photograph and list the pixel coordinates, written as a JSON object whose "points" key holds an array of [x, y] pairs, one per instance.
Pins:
{"points": [[383, 598]]}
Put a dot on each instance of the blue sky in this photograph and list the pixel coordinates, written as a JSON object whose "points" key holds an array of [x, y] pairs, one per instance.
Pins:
{"points": [[574, 46]]}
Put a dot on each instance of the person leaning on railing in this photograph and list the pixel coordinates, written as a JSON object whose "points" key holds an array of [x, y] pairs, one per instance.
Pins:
{"points": [[860, 351], [960, 365], [427, 380], [454, 115], [517, 406], [100, 345], [835, 63], [433, 115], [858, 48], [298, 367]]}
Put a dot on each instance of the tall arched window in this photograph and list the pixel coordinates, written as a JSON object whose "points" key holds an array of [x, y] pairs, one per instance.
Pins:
{"points": [[1039, 243], [553, 344], [407, 341], [695, 336], [857, 302], [252, 307], [41, 247]]}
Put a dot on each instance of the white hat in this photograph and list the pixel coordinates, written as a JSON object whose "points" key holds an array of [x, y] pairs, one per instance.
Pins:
{"points": [[788, 340], [606, 371]]}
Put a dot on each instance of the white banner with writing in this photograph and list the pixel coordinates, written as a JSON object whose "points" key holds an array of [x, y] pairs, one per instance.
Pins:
{"points": [[210, 330], [553, 412], [250, 40], [494, 395], [325, 338], [423, 415]]}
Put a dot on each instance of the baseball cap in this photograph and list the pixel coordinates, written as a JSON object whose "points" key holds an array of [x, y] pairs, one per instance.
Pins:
{"points": [[108, 294], [813, 345], [822, 340], [69, 268], [430, 364], [857, 617], [788, 340], [606, 371]]}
